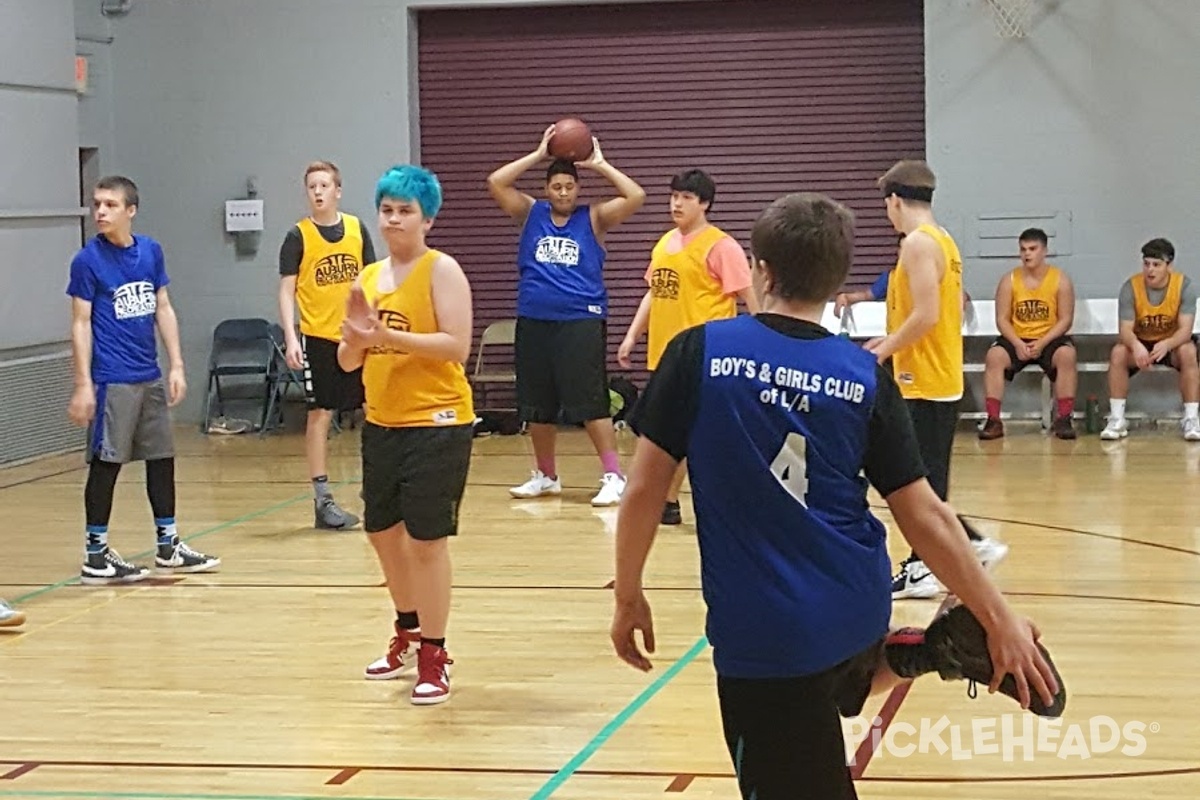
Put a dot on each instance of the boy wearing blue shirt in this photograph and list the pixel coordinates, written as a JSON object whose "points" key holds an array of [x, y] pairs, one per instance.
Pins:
{"points": [[784, 426], [118, 291], [561, 346]]}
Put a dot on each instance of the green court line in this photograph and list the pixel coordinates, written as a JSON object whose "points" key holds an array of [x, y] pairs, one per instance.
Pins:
{"points": [[571, 767], [192, 796], [262, 512]]}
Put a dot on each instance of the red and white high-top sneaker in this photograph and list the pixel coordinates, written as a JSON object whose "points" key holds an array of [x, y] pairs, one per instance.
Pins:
{"points": [[401, 656], [433, 677]]}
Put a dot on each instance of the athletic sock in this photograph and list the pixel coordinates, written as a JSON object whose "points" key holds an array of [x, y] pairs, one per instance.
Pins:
{"points": [[611, 462], [1116, 408], [97, 539], [164, 528], [907, 654], [407, 620], [546, 467], [1066, 405], [1191, 410], [993, 407], [435, 642], [321, 487]]}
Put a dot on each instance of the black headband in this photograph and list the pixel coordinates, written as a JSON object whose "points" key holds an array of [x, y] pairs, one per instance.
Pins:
{"points": [[921, 193]]}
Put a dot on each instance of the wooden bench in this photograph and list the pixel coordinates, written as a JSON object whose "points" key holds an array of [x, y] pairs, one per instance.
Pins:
{"points": [[1095, 320]]}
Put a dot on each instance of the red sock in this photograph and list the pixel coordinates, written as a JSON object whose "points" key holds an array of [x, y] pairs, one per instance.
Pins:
{"points": [[993, 408], [1065, 406]]}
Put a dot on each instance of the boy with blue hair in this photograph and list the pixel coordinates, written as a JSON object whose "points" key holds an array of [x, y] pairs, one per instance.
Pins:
{"points": [[408, 327]]}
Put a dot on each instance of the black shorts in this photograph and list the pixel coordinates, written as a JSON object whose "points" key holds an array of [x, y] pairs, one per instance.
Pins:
{"points": [[785, 734], [326, 385], [1170, 360], [934, 423], [1045, 360], [562, 374], [416, 476]]}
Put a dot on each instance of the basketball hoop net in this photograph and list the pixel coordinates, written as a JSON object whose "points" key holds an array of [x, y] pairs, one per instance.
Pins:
{"points": [[1011, 17]]}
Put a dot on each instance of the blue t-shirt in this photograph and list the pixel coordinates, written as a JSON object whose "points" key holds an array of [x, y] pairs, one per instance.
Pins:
{"points": [[561, 267], [122, 285], [880, 286]]}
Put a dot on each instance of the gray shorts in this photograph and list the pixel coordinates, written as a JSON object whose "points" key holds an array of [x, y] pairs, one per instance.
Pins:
{"points": [[132, 423]]}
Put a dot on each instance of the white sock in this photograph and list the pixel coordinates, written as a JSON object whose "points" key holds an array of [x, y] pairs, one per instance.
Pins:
{"points": [[1117, 409], [1191, 410]]}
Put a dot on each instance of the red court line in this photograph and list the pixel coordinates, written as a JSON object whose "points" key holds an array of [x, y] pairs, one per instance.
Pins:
{"points": [[26, 766], [343, 776], [681, 783], [24, 769], [891, 706]]}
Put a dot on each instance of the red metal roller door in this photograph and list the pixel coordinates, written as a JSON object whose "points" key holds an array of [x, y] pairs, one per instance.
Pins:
{"points": [[769, 96]]}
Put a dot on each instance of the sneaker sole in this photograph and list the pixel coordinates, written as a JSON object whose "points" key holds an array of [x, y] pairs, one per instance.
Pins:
{"points": [[919, 594], [430, 701], [389, 676], [1114, 437], [961, 639], [14, 621], [521, 496], [209, 566], [92, 580], [322, 526]]}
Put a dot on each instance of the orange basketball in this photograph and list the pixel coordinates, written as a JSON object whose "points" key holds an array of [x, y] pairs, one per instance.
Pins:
{"points": [[572, 140]]}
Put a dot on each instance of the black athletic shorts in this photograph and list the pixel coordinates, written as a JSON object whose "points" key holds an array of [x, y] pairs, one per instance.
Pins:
{"points": [[1170, 360], [1045, 360], [785, 734], [326, 385], [416, 476], [562, 370], [934, 423]]}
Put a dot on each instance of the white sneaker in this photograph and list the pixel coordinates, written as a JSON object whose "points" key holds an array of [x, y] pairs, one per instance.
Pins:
{"points": [[612, 486], [537, 486], [990, 552], [914, 580], [1191, 429], [1117, 428], [9, 616]]}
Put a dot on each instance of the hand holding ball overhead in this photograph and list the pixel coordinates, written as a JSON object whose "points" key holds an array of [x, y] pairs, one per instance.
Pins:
{"points": [[570, 139]]}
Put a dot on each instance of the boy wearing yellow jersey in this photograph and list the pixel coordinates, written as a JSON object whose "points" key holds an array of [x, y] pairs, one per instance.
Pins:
{"points": [[1035, 307], [1157, 311], [319, 259], [925, 344], [408, 326], [696, 274]]}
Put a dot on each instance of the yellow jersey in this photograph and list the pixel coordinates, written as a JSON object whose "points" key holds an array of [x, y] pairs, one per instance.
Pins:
{"points": [[683, 293], [1035, 311], [932, 367], [1155, 323], [327, 271], [404, 390]]}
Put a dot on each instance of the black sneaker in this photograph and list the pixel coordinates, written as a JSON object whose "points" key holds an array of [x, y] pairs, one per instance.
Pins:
{"points": [[1063, 427], [107, 567], [959, 649], [329, 516], [672, 515], [178, 557]]}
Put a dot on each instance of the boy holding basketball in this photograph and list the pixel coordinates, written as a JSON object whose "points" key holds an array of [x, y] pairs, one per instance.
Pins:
{"points": [[562, 308], [697, 273], [1157, 309], [795, 567], [925, 343], [408, 327], [320, 257], [118, 291]]}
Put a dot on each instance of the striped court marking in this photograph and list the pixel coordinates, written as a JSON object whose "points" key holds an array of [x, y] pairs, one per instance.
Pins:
{"points": [[571, 767]]}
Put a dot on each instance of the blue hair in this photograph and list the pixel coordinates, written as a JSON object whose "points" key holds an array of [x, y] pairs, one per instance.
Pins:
{"points": [[408, 183]]}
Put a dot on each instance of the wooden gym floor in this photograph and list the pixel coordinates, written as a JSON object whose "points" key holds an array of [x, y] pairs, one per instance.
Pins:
{"points": [[247, 683]]}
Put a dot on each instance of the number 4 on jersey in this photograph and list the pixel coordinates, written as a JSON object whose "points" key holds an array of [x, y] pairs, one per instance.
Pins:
{"points": [[790, 467]]}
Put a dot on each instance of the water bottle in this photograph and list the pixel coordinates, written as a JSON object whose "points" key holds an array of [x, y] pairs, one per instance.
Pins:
{"points": [[1092, 414]]}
